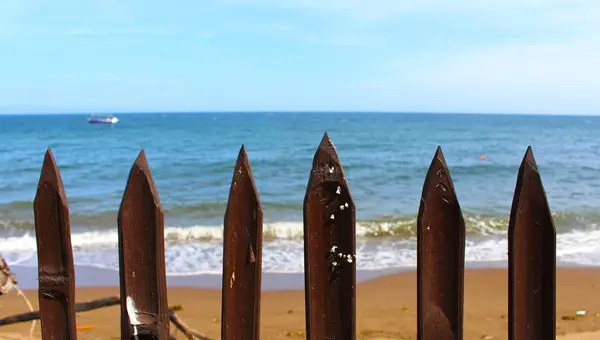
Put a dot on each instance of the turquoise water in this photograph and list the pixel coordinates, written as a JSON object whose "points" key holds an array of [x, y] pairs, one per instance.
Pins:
{"points": [[385, 157]]}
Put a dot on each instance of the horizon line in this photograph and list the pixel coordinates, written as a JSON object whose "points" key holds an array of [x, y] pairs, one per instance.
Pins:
{"points": [[32, 113]]}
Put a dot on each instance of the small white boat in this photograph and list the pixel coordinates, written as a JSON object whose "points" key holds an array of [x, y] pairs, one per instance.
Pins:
{"points": [[102, 119]]}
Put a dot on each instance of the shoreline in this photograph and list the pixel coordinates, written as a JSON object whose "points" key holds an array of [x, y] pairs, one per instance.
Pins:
{"points": [[385, 307], [87, 276], [93, 277]]}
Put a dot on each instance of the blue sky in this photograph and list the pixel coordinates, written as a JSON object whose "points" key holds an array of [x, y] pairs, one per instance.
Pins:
{"points": [[511, 56]]}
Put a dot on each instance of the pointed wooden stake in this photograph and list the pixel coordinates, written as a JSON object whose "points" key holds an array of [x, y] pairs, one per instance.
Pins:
{"points": [[242, 253], [55, 255], [142, 257], [531, 258], [440, 256], [329, 249]]}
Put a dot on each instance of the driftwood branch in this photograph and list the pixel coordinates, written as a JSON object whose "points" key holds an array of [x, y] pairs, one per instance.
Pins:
{"points": [[187, 331], [80, 307], [8, 282], [106, 302]]}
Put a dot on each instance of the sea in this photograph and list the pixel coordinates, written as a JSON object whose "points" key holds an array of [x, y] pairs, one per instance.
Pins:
{"points": [[385, 158]]}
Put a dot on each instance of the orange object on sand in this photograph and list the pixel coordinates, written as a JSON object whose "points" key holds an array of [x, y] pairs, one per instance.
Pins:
{"points": [[85, 328]]}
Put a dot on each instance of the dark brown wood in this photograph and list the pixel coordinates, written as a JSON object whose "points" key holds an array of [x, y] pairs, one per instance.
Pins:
{"points": [[55, 256], [101, 303], [242, 256], [329, 249], [142, 257], [440, 256], [531, 258], [79, 307]]}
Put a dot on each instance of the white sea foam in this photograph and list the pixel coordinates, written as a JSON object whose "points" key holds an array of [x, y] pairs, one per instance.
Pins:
{"points": [[198, 249]]}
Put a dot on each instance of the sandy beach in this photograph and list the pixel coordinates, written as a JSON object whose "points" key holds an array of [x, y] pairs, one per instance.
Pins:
{"points": [[386, 308]]}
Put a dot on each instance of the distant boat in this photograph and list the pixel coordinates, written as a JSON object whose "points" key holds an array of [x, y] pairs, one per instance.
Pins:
{"points": [[102, 119]]}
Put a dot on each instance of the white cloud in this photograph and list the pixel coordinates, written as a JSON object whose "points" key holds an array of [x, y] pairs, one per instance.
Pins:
{"points": [[541, 55], [520, 67], [380, 9], [390, 21], [537, 78]]}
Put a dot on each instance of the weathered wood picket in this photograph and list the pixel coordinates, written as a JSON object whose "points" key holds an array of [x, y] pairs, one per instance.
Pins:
{"points": [[329, 253]]}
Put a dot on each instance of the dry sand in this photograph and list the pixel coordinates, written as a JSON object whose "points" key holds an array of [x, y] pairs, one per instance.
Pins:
{"points": [[386, 308]]}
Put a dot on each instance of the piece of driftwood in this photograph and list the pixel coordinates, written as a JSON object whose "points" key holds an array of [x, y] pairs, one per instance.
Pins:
{"points": [[79, 307], [8, 282], [187, 331], [106, 302]]}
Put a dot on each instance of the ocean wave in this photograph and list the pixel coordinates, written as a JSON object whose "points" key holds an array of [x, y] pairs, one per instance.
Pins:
{"points": [[477, 225], [287, 256]]}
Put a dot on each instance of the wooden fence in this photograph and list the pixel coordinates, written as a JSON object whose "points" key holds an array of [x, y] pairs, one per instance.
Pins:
{"points": [[329, 255]]}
